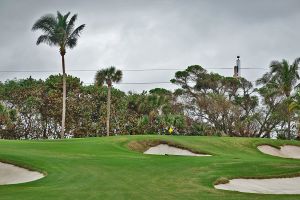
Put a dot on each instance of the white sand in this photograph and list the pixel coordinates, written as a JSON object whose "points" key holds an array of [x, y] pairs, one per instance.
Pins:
{"points": [[268, 186], [263, 186], [286, 151], [10, 174], [164, 149]]}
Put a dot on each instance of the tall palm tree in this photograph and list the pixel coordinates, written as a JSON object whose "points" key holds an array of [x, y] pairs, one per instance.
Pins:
{"points": [[108, 76], [59, 31], [284, 77]]}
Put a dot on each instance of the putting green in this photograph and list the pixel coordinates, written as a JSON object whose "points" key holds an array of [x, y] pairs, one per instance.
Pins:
{"points": [[105, 168]]}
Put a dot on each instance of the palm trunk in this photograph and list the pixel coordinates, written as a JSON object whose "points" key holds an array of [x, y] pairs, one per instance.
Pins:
{"points": [[108, 109], [63, 120], [289, 116], [289, 126]]}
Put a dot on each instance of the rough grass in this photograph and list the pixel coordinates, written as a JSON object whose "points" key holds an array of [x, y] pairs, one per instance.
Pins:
{"points": [[221, 180], [143, 145], [108, 168]]}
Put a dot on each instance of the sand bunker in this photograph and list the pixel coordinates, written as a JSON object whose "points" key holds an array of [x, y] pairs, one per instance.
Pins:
{"points": [[268, 186], [164, 149], [263, 186], [10, 174], [286, 151]]}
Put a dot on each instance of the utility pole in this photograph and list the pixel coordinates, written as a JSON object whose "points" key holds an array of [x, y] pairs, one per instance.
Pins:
{"points": [[237, 68]]}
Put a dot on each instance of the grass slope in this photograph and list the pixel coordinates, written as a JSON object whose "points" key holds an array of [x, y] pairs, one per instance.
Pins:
{"points": [[105, 168]]}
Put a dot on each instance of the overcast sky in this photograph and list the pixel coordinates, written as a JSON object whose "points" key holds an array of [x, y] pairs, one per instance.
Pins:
{"points": [[143, 34]]}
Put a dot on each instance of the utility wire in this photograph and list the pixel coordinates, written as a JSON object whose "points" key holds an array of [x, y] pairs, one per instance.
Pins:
{"points": [[125, 70], [136, 83], [88, 70]]}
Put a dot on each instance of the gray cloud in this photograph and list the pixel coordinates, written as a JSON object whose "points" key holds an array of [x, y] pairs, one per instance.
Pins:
{"points": [[140, 34]]}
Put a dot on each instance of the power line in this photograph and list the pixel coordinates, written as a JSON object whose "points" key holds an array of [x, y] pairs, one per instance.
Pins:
{"points": [[88, 70], [145, 83], [125, 70], [82, 70], [137, 83]]}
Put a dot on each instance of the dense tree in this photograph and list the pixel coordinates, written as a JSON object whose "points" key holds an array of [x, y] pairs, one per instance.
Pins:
{"points": [[206, 104], [227, 104], [295, 107], [59, 31], [272, 111], [7, 122]]}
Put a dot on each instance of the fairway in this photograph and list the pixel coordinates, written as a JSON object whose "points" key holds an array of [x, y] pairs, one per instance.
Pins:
{"points": [[105, 168]]}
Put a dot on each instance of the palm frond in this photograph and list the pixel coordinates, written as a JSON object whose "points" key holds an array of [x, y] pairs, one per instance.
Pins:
{"points": [[74, 36], [45, 39], [117, 76], [100, 77], [275, 66], [264, 79], [71, 43], [297, 61], [66, 16], [46, 23], [71, 24], [62, 21], [110, 72], [59, 16]]}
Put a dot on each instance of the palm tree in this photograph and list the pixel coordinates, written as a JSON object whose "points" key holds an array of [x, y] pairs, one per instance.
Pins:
{"points": [[108, 76], [61, 32], [284, 77]]}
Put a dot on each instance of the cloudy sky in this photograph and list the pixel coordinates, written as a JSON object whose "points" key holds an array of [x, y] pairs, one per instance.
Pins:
{"points": [[143, 34]]}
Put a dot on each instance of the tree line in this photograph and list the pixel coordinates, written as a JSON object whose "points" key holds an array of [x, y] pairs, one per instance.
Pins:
{"points": [[205, 104]]}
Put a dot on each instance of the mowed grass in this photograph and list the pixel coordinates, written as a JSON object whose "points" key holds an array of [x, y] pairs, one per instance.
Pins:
{"points": [[104, 168]]}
